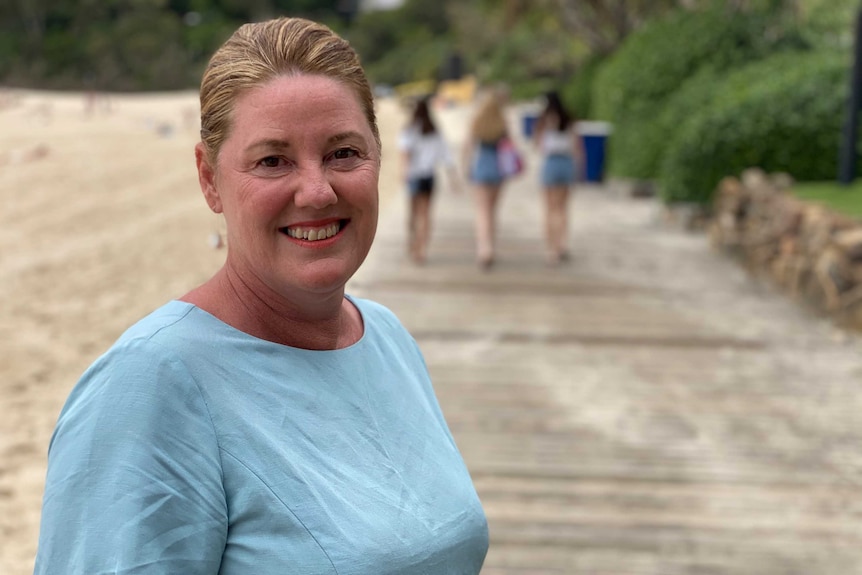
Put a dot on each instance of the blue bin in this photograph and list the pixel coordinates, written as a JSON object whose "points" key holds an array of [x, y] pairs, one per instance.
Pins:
{"points": [[529, 124], [594, 136]]}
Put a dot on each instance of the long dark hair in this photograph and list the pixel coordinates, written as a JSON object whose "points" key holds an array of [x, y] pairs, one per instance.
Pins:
{"points": [[422, 117], [554, 108]]}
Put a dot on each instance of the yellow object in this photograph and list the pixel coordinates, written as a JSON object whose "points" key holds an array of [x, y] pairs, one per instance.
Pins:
{"points": [[416, 89], [458, 91]]}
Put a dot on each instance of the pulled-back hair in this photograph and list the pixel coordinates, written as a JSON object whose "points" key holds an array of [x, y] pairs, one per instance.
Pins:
{"points": [[257, 53], [489, 123], [422, 117], [556, 111]]}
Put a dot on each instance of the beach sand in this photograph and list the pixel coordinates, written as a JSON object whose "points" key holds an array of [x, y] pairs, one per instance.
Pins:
{"points": [[102, 221]]}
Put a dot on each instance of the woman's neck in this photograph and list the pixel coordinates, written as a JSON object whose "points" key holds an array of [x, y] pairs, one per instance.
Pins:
{"points": [[308, 321]]}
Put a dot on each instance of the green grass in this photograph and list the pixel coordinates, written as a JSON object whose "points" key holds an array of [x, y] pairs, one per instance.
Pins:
{"points": [[842, 199]]}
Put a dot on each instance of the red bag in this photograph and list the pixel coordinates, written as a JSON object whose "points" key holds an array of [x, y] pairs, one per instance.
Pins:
{"points": [[509, 159]]}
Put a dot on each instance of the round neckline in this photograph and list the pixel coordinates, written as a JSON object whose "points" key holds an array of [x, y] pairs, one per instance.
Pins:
{"points": [[231, 328]]}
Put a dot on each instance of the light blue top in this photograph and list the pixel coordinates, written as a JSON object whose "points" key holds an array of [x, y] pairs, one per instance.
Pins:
{"points": [[193, 448]]}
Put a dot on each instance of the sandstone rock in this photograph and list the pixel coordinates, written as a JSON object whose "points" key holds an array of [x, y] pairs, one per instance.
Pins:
{"points": [[811, 252], [850, 242]]}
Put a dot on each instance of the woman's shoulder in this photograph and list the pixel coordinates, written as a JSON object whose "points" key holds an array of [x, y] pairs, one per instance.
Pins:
{"points": [[140, 376], [160, 320], [155, 338], [380, 321], [149, 350], [171, 327], [384, 330], [373, 311], [407, 135]]}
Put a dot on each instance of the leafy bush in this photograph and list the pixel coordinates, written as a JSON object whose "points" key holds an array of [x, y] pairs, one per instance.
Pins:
{"points": [[830, 23], [577, 91], [781, 114], [699, 92], [634, 86]]}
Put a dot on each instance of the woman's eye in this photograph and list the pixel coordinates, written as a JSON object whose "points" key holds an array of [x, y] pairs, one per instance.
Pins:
{"points": [[270, 162], [344, 153]]}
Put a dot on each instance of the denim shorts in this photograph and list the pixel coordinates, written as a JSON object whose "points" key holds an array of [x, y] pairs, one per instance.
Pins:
{"points": [[558, 170], [485, 169]]}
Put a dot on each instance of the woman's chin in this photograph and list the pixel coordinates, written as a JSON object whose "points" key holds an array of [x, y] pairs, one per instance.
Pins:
{"points": [[324, 277]]}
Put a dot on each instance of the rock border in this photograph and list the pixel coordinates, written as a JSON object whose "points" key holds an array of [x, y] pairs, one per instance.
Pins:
{"points": [[812, 253]]}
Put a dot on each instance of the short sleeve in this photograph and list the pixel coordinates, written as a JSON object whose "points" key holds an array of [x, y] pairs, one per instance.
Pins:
{"points": [[134, 481], [406, 139]]}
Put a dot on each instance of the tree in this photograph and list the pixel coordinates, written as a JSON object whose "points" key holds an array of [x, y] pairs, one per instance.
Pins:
{"points": [[604, 24]]}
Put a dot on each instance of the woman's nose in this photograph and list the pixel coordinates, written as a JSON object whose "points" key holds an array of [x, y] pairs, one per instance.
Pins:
{"points": [[315, 190]]}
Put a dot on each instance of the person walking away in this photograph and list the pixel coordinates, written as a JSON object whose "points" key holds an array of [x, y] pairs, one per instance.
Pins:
{"points": [[487, 130], [267, 422], [561, 153], [423, 149]]}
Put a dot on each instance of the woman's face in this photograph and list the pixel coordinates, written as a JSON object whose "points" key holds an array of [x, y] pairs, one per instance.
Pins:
{"points": [[296, 180]]}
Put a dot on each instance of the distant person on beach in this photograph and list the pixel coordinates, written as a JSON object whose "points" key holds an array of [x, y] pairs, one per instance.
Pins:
{"points": [[94, 99], [487, 130], [266, 422], [423, 150], [561, 153]]}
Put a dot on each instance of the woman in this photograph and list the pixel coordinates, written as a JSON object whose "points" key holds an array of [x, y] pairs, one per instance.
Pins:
{"points": [[423, 149], [265, 422], [560, 151], [486, 132]]}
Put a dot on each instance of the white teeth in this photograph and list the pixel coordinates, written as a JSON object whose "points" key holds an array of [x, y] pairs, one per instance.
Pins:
{"points": [[312, 235]]}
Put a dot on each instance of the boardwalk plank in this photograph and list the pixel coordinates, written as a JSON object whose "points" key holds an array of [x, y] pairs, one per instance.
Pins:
{"points": [[646, 409]]}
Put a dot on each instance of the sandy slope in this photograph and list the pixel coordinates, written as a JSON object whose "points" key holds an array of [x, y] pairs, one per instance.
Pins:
{"points": [[102, 220]]}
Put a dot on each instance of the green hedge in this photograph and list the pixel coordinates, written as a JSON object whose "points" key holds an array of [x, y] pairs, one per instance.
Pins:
{"points": [[782, 114], [577, 91], [634, 86]]}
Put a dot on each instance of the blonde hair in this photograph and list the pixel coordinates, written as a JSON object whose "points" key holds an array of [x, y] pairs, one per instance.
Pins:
{"points": [[489, 124], [259, 52]]}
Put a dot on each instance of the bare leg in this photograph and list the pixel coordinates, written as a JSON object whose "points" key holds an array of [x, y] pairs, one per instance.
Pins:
{"points": [[556, 222], [411, 227], [422, 226], [487, 197]]}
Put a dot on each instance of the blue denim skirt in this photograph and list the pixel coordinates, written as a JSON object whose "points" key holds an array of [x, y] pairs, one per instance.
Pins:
{"points": [[558, 170]]}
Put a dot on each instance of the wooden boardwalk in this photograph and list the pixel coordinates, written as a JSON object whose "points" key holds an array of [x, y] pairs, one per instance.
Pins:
{"points": [[645, 409]]}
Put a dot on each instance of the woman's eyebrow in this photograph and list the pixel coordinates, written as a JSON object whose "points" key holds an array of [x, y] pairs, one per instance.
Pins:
{"points": [[345, 136], [268, 144], [276, 144]]}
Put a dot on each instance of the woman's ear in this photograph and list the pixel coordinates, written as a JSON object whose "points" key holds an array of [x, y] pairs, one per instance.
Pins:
{"points": [[206, 177]]}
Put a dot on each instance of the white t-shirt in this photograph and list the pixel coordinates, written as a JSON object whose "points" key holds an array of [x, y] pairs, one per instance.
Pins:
{"points": [[425, 152], [555, 142]]}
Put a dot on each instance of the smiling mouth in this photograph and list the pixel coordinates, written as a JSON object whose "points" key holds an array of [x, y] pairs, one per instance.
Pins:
{"points": [[314, 234]]}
